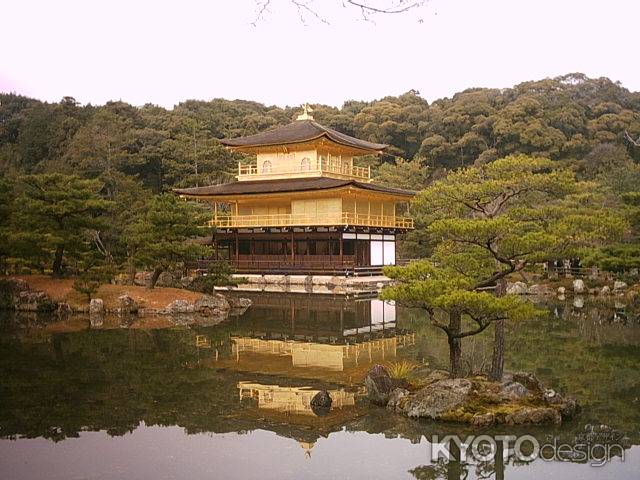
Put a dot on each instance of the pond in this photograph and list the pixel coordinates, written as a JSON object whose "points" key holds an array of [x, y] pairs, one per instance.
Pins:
{"points": [[146, 398]]}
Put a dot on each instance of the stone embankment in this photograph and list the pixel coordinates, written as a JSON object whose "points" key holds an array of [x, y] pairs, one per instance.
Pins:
{"points": [[19, 296], [578, 287]]}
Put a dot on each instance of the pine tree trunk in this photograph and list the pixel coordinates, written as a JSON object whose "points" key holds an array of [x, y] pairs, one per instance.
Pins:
{"points": [[497, 361], [132, 275], [455, 347], [57, 261], [156, 275]]}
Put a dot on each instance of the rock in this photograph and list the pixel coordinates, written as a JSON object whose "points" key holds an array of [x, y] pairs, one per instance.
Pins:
{"points": [[529, 381], [64, 309], [96, 307], [121, 279], [396, 398], [212, 304], [236, 302], [322, 399], [186, 281], [96, 321], [434, 376], [167, 279], [179, 307], [539, 290], [321, 403], [142, 279], [619, 286], [569, 408], [126, 304], [483, 419], [562, 290], [33, 301], [437, 399], [578, 302], [379, 385], [578, 286], [514, 391], [517, 288], [605, 290], [533, 415]]}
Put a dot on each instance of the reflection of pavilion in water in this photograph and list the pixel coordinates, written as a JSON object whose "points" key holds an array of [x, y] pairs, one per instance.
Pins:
{"points": [[296, 400], [330, 334]]}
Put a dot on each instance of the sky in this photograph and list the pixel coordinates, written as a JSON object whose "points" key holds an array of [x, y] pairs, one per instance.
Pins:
{"points": [[153, 51]]}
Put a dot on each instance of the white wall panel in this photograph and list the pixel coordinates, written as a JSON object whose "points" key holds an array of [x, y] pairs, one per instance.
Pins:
{"points": [[376, 253], [389, 253]]}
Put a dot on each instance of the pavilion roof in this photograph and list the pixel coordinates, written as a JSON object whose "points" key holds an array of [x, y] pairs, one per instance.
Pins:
{"points": [[286, 186], [301, 131]]}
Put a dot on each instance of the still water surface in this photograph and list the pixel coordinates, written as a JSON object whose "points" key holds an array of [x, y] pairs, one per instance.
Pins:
{"points": [[142, 399]]}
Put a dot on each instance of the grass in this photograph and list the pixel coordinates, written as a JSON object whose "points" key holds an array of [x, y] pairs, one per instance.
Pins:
{"points": [[401, 369]]}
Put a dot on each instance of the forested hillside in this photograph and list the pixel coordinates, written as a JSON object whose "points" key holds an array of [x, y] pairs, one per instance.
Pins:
{"points": [[563, 118], [80, 184]]}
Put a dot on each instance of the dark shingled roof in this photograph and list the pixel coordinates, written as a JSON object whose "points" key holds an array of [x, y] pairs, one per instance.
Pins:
{"points": [[284, 186], [297, 132]]}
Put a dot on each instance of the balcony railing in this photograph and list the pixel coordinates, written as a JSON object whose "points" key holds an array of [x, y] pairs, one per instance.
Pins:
{"points": [[312, 169], [306, 220]]}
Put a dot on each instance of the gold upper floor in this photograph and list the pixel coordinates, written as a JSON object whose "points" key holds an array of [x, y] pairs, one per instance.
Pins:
{"points": [[308, 160]]}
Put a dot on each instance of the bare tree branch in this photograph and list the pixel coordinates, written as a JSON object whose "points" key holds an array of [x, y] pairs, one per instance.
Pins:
{"points": [[367, 8], [636, 142]]}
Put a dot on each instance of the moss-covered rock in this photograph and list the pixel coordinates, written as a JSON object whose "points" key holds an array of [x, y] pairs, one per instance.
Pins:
{"points": [[519, 399]]}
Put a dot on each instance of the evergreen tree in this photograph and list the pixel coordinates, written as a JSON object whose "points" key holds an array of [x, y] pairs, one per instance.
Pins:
{"points": [[491, 221], [163, 235], [55, 215]]}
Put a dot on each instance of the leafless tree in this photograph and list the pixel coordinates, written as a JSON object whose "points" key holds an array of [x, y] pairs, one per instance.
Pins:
{"points": [[367, 8]]}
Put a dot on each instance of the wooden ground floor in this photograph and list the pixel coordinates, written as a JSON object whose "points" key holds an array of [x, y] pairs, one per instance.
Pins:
{"points": [[306, 252]]}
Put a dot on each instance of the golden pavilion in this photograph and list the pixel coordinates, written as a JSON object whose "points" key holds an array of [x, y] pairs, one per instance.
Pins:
{"points": [[304, 205]]}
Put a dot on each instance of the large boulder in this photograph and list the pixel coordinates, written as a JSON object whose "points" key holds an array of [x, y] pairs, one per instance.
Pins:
{"points": [[567, 406], [397, 398], [578, 286], [438, 399], [619, 286], [96, 307], [514, 391], [539, 290], [127, 305], [379, 385], [517, 288], [33, 301], [211, 304], [533, 415], [238, 302], [142, 279], [179, 307], [528, 380]]}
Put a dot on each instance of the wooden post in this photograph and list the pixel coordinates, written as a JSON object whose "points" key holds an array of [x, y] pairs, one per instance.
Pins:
{"points": [[356, 257], [293, 249], [237, 249], [341, 249]]}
